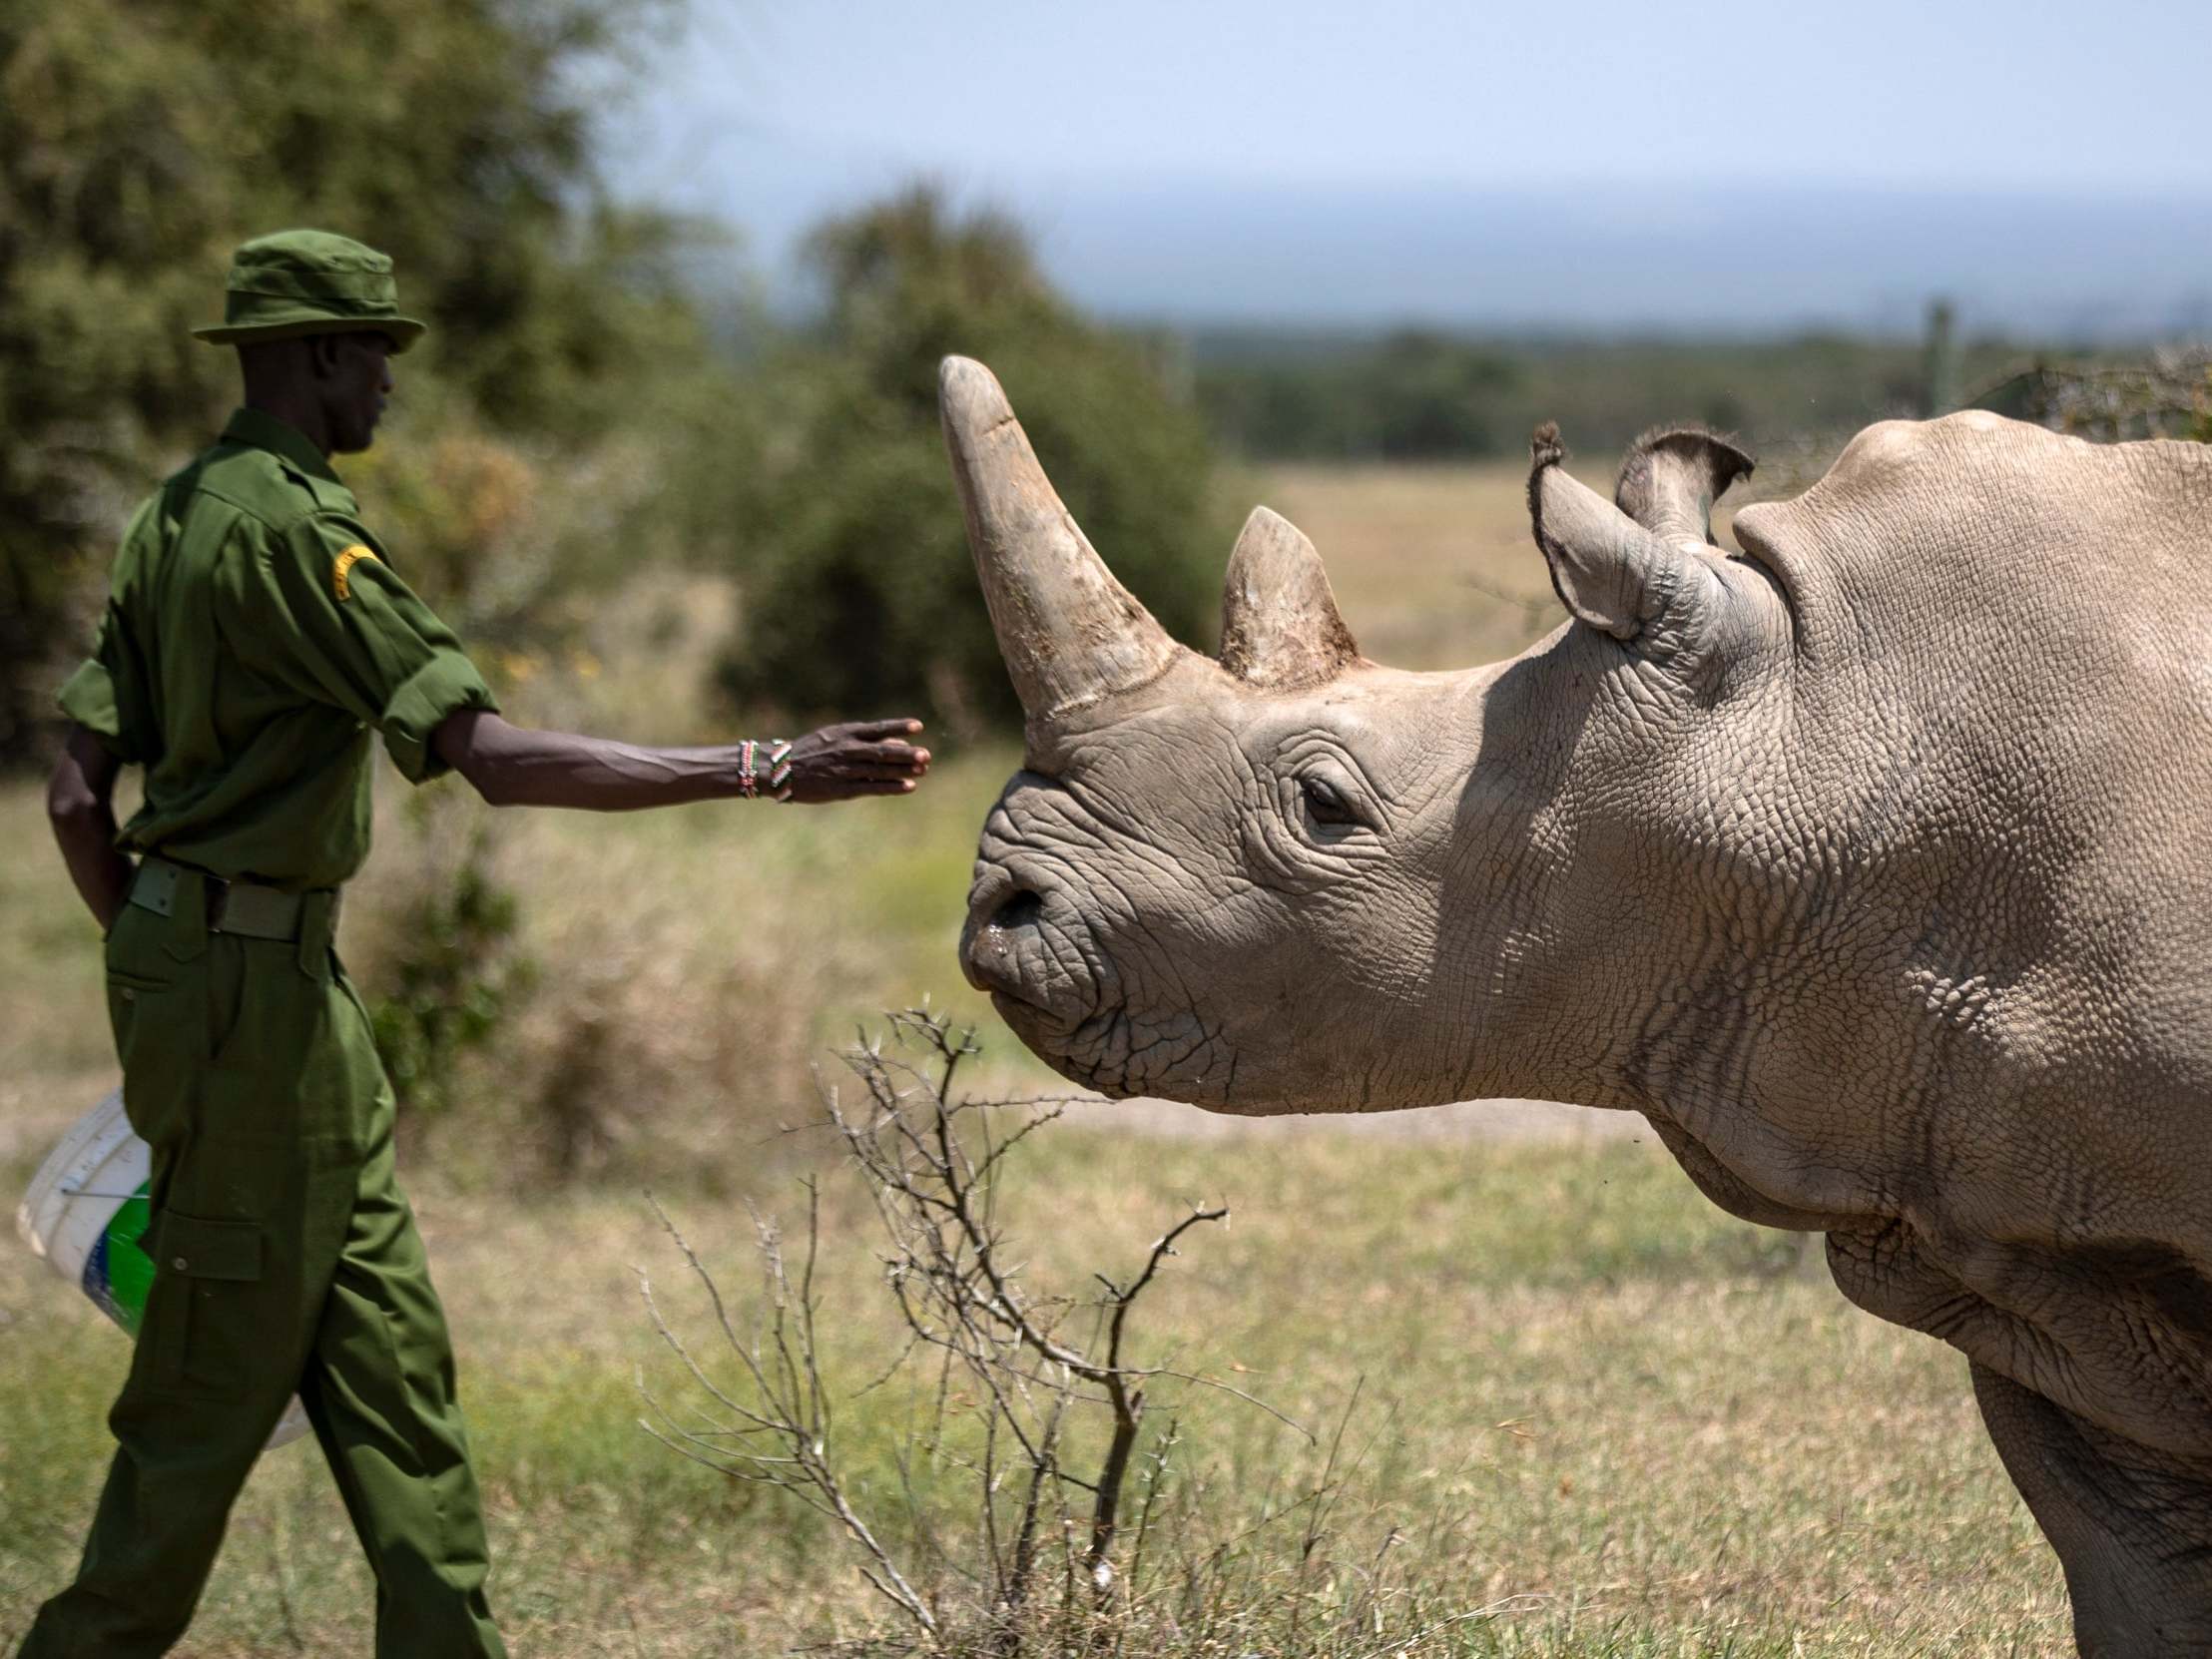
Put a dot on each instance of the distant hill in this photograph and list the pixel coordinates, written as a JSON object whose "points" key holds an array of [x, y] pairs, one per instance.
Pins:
{"points": [[1744, 262], [1710, 261]]}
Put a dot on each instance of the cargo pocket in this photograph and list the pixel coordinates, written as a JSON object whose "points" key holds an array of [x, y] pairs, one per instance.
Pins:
{"points": [[204, 1317]]}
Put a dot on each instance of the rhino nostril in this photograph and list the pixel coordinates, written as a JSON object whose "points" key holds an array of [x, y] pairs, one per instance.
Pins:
{"points": [[988, 952], [1019, 910]]}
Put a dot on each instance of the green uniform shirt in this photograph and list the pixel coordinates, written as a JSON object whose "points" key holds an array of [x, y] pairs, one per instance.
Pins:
{"points": [[254, 637]]}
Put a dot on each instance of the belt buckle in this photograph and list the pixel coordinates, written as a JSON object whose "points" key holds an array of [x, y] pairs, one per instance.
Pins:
{"points": [[154, 887]]}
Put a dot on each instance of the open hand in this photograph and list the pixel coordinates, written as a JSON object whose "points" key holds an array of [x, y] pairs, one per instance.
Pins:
{"points": [[862, 757]]}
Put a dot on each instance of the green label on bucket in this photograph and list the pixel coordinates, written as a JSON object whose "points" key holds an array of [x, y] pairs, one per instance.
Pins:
{"points": [[118, 1272]]}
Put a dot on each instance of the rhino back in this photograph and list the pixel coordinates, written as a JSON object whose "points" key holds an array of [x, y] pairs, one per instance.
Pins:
{"points": [[2003, 684], [2003, 692]]}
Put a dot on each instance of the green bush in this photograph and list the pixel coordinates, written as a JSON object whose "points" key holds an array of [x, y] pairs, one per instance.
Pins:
{"points": [[454, 972], [859, 599]]}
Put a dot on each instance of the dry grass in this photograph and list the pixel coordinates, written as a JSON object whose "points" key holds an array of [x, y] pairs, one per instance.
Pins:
{"points": [[1573, 1387], [1576, 1383], [1432, 566]]}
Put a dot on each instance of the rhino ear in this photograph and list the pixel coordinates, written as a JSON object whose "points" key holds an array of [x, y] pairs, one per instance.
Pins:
{"points": [[1671, 478], [1609, 570], [1280, 626]]}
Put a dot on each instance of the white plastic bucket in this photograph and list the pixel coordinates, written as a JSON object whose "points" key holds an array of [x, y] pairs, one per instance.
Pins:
{"points": [[85, 1211]]}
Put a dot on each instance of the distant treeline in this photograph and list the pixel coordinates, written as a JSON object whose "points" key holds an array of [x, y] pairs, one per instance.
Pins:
{"points": [[1419, 395]]}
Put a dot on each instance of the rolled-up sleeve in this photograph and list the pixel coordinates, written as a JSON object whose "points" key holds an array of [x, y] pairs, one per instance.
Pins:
{"points": [[324, 612], [93, 696]]}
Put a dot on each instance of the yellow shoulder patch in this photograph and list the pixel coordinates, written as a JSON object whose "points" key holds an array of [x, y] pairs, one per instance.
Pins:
{"points": [[340, 580]]}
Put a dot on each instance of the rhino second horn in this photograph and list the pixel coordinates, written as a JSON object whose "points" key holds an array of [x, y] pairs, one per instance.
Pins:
{"points": [[1070, 634], [1280, 626]]}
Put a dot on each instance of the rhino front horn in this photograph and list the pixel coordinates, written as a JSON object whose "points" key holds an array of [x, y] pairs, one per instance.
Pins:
{"points": [[1071, 635]]}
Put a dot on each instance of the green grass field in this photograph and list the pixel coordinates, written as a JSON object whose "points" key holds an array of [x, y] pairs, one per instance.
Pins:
{"points": [[1581, 1412]]}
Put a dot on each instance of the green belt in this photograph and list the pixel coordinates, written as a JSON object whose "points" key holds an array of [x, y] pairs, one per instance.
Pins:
{"points": [[250, 909]]}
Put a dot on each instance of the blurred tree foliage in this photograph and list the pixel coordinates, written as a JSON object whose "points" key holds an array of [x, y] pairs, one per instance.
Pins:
{"points": [[459, 971], [2167, 394], [142, 139], [860, 598], [1414, 394]]}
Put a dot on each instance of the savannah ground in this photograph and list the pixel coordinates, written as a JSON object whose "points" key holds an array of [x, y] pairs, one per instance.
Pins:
{"points": [[1575, 1411]]}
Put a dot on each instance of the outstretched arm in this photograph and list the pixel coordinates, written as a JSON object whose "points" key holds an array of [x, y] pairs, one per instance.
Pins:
{"points": [[513, 766], [80, 805]]}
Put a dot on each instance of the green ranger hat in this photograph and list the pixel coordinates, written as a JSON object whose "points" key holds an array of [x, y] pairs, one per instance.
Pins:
{"points": [[309, 283]]}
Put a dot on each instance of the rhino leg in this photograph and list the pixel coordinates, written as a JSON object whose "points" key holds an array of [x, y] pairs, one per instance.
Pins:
{"points": [[2132, 1528]]}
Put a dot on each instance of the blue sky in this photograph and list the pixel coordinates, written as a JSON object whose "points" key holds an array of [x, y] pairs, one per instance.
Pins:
{"points": [[1372, 161]]}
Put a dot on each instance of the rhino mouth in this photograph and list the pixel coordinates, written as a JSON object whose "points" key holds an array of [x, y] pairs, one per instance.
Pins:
{"points": [[1030, 949], [1028, 944]]}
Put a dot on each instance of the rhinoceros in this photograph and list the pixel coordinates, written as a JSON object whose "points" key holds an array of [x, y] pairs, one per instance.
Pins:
{"points": [[1872, 865]]}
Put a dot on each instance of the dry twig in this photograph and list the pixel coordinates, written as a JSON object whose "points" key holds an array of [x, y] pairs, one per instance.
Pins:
{"points": [[931, 1163]]}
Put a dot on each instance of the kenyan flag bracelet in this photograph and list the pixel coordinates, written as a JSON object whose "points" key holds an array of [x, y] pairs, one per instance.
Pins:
{"points": [[763, 762]]}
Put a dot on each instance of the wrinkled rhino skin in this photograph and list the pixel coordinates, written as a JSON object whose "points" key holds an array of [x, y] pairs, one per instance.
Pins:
{"points": [[1872, 864]]}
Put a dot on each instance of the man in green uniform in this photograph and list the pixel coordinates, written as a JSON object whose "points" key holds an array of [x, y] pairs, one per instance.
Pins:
{"points": [[257, 641]]}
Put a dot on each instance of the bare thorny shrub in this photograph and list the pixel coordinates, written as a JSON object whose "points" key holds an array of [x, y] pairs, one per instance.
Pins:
{"points": [[931, 1164], [1039, 1401]]}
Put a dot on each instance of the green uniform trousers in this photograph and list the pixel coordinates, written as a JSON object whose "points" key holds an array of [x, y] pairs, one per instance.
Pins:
{"points": [[286, 1259]]}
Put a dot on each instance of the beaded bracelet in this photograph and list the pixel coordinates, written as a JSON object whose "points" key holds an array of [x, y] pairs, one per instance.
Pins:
{"points": [[751, 753]]}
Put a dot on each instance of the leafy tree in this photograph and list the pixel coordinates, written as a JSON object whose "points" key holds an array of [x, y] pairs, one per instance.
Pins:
{"points": [[142, 139], [858, 593]]}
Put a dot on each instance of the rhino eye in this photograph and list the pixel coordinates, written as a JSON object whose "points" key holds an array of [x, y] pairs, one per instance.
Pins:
{"points": [[1325, 802]]}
